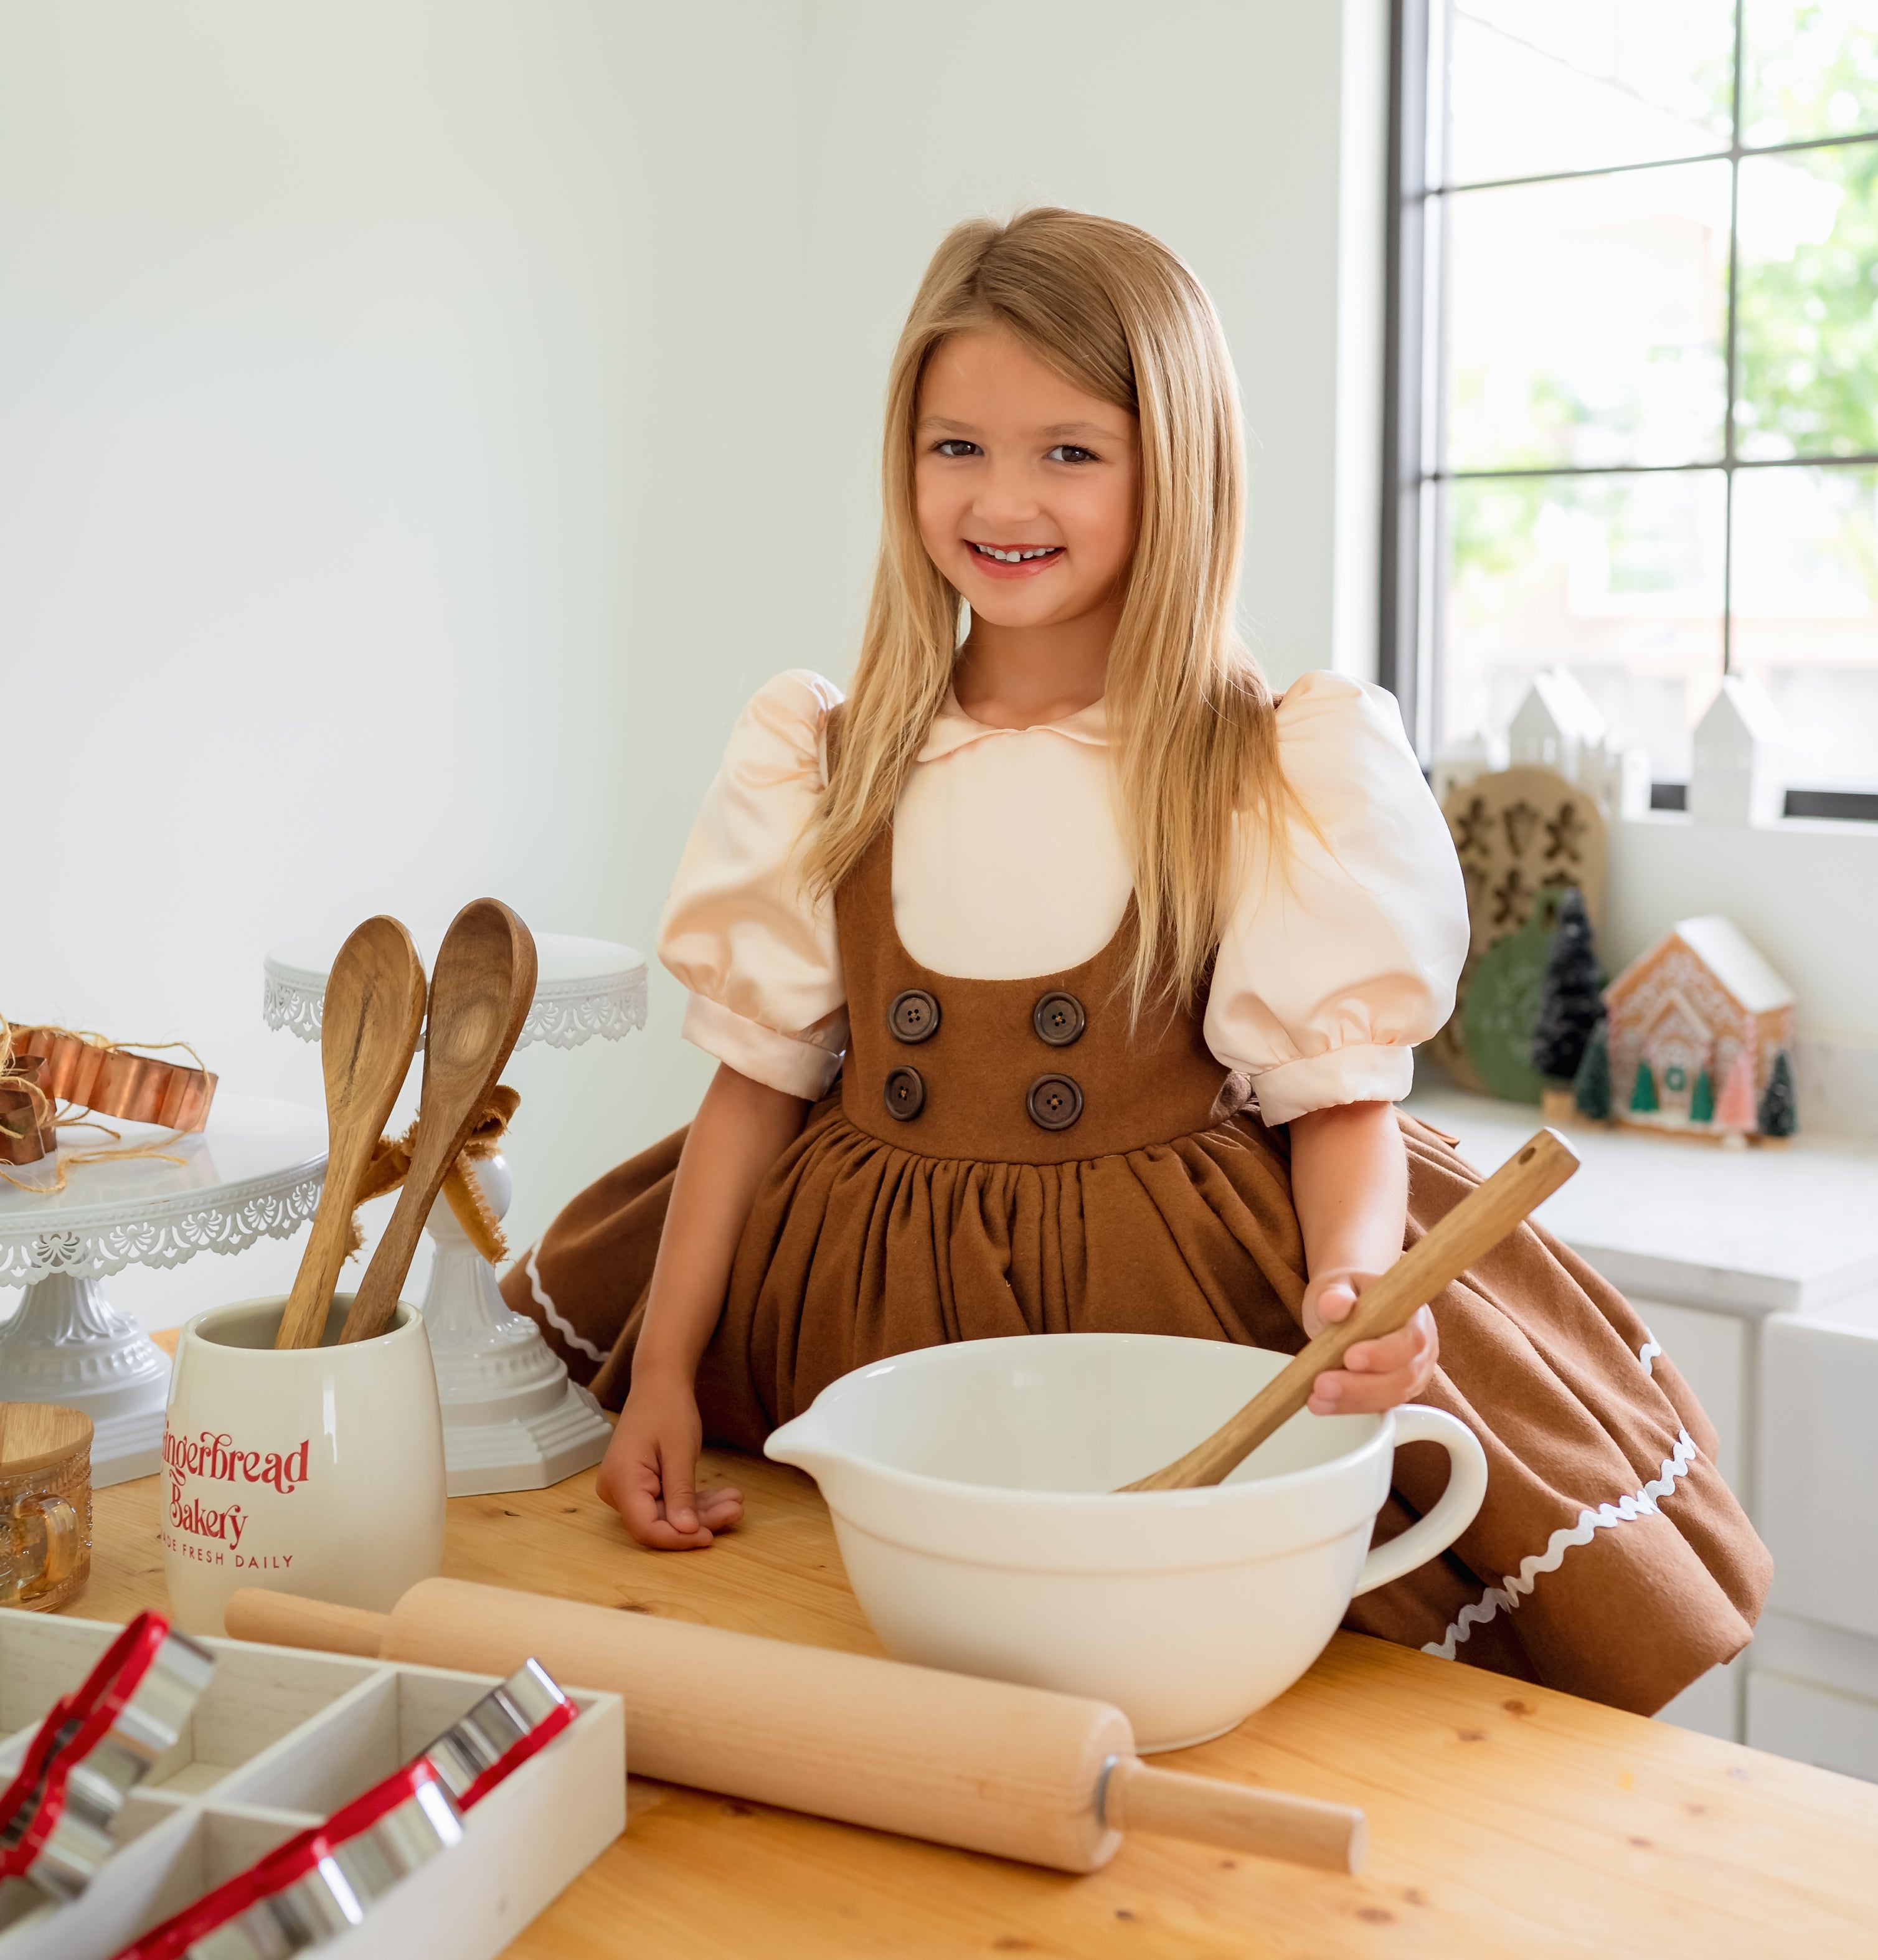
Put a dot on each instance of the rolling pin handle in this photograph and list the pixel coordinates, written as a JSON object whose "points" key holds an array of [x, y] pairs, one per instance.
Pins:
{"points": [[1129, 1795], [285, 1620]]}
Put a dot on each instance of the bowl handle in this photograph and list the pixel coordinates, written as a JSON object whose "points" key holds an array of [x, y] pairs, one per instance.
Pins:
{"points": [[1460, 1502]]}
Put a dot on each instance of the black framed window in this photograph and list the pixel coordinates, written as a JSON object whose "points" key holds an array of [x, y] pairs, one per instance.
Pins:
{"points": [[1633, 388]]}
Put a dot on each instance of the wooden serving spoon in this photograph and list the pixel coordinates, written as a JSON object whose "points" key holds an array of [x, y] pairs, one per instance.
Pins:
{"points": [[1439, 1258], [481, 989], [368, 1031]]}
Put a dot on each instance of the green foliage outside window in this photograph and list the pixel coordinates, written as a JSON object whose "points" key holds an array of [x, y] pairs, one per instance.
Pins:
{"points": [[1806, 327]]}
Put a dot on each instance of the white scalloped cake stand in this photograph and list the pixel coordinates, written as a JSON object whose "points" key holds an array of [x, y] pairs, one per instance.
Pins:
{"points": [[512, 1419], [255, 1172]]}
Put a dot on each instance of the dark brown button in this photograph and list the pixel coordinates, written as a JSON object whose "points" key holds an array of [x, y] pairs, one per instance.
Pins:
{"points": [[1059, 1018], [905, 1094], [913, 1016], [1055, 1101]]}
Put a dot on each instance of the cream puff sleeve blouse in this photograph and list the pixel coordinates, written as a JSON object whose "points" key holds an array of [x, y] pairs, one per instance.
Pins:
{"points": [[1336, 962]]}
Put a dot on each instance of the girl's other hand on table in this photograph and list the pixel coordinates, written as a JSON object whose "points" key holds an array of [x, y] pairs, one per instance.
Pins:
{"points": [[649, 1472]]}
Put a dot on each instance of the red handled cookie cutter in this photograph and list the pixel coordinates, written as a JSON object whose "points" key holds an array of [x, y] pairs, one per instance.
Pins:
{"points": [[323, 1882], [504, 1728], [317, 1885], [58, 1813]]}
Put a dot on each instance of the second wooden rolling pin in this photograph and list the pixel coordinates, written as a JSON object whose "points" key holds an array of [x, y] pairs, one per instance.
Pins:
{"points": [[1020, 1772]]}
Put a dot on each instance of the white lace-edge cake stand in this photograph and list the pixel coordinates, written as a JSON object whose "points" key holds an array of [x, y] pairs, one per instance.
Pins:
{"points": [[512, 1419], [255, 1172]]}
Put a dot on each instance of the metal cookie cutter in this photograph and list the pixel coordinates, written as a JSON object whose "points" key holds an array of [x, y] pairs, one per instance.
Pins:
{"points": [[500, 1734], [320, 1884], [323, 1882], [58, 1814]]}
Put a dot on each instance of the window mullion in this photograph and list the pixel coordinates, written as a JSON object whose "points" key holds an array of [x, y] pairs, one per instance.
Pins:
{"points": [[1402, 662], [1434, 505], [1729, 359]]}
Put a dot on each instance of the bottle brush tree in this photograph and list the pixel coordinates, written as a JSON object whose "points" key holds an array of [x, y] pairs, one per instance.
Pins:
{"points": [[1591, 1086], [1643, 1091], [1736, 1109], [1778, 1113], [1571, 1002]]}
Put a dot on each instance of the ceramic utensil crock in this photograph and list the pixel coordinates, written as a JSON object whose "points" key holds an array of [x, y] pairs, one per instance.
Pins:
{"points": [[314, 1470], [44, 1504], [974, 1492]]}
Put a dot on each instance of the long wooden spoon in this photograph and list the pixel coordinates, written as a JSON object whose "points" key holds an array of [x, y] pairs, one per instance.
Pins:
{"points": [[481, 989], [368, 1031], [1439, 1258]]}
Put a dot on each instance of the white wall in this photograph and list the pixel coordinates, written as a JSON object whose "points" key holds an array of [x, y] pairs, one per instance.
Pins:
{"points": [[388, 512], [422, 422], [1219, 124]]}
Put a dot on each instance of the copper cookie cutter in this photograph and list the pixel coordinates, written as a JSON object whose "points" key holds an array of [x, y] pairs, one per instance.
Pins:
{"points": [[28, 1131], [49, 1066]]}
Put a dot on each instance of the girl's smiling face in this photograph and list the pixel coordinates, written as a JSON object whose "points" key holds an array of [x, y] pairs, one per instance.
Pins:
{"points": [[1027, 489]]}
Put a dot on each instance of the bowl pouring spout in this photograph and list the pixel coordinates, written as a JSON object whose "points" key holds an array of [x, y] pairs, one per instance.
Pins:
{"points": [[803, 1442]]}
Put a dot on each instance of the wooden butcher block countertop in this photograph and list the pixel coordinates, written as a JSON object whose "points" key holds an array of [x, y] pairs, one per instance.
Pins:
{"points": [[1503, 1819]]}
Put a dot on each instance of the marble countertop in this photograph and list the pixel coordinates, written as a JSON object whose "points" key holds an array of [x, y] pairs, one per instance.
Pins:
{"points": [[1793, 1230]]}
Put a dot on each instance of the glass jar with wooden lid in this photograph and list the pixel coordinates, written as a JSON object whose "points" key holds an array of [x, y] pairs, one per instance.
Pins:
{"points": [[44, 1504]]}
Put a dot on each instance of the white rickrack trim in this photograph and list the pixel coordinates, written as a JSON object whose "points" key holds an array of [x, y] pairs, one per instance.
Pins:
{"points": [[547, 1305], [1648, 1352], [1516, 1586]]}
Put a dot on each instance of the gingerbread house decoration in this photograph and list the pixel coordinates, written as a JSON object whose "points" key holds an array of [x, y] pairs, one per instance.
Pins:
{"points": [[1698, 1026]]}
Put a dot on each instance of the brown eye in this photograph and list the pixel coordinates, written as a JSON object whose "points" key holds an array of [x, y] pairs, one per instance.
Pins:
{"points": [[1069, 452], [953, 446]]}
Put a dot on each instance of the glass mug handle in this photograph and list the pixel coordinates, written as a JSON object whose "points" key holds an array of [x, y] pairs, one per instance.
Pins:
{"points": [[23, 1579]]}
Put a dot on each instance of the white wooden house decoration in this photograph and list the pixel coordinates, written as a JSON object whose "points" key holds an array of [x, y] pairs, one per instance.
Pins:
{"points": [[1460, 761], [1737, 775], [1701, 1008], [1558, 726], [1626, 791]]}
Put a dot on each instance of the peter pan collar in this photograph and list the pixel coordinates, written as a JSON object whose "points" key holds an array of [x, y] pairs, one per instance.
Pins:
{"points": [[953, 728]]}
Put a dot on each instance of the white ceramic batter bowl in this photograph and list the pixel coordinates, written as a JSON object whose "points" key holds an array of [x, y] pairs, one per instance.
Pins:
{"points": [[972, 1487]]}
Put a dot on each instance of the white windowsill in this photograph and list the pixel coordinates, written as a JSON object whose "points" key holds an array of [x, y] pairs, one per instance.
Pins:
{"points": [[1753, 1232]]}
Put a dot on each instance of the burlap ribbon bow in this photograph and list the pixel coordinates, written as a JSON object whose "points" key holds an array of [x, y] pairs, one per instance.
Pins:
{"points": [[44, 1068], [391, 1161]]}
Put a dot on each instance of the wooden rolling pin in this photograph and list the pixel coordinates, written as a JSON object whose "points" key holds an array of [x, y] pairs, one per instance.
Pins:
{"points": [[1020, 1772]]}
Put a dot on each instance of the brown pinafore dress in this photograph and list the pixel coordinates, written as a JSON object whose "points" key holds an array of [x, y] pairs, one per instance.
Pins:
{"points": [[1004, 1157]]}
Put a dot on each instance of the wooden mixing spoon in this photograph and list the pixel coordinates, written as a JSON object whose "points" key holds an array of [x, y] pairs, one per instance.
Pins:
{"points": [[481, 989], [1436, 1260], [368, 1031]]}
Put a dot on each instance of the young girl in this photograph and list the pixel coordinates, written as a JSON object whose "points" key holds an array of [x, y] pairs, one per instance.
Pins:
{"points": [[1061, 979]]}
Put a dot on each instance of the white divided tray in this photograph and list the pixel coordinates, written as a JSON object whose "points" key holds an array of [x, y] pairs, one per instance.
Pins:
{"points": [[278, 1741]]}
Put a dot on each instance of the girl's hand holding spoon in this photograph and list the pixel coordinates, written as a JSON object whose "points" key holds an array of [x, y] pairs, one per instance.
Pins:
{"points": [[1376, 1375]]}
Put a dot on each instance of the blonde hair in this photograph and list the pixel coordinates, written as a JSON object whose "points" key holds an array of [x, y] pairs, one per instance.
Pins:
{"points": [[1192, 723]]}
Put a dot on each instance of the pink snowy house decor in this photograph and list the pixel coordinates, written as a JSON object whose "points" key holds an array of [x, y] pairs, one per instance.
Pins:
{"points": [[1700, 1035]]}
